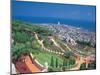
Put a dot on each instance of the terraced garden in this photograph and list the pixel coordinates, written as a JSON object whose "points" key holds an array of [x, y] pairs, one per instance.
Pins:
{"points": [[44, 46]]}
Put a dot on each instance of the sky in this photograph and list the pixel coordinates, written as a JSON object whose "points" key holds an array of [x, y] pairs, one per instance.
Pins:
{"points": [[64, 11]]}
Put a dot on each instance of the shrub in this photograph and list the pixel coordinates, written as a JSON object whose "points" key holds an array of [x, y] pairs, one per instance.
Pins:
{"points": [[92, 65], [83, 66]]}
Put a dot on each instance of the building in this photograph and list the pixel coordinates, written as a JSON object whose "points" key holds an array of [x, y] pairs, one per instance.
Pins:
{"points": [[25, 64]]}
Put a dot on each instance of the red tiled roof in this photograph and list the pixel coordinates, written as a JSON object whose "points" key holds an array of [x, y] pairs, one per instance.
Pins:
{"points": [[25, 65]]}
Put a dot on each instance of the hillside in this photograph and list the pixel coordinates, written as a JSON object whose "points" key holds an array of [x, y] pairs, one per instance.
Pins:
{"points": [[46, 47]]}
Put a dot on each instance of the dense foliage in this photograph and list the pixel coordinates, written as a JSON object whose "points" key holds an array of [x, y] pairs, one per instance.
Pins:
{"points": [[83, 66], [24, 40]]}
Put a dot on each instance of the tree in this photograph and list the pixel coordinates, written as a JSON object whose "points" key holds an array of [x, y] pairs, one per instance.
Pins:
{"points": [[68, 54], [92, 65], [83, 66], [21, 37], [64, 62], [56, 62], [52, 62], [72, 61], [18, 49]]}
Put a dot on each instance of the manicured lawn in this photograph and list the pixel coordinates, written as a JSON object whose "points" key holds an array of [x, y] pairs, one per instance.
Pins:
{"points": [[46, 57]]}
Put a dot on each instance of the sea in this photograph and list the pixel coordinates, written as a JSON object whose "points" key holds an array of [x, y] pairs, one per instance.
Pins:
{"points": [[87, 25]]}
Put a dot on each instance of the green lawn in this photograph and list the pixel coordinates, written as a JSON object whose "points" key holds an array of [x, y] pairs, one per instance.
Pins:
{"points": [[46, 57]]}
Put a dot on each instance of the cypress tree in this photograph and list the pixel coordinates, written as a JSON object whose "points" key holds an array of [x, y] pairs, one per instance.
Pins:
{"points": [[52, 62], [64, 62], [56, 62], [83, 66]]}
